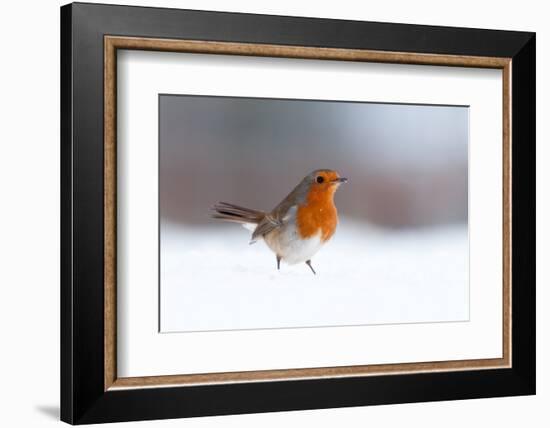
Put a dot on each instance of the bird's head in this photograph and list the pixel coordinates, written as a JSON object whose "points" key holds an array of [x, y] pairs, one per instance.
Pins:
{"points": [[323, 183]]}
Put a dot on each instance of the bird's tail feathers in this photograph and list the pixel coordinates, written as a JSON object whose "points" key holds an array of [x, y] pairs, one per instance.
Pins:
{"points": [[235, 213]]}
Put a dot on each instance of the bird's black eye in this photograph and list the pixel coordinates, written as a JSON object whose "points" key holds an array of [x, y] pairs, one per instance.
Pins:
{"points": [[319, 179]]}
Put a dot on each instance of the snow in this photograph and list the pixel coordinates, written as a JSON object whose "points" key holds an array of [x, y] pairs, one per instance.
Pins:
{"points": [[212, 279]]}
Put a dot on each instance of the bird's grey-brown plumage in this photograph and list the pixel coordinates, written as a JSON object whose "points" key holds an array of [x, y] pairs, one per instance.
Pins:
{"points": [[266, 222]]}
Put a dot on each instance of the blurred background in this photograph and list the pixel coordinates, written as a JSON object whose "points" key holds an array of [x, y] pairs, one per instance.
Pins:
{"points": [[407, 164]]}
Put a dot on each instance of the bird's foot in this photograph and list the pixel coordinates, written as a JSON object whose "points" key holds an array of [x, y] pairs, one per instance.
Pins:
{"points": [[308, 262]]}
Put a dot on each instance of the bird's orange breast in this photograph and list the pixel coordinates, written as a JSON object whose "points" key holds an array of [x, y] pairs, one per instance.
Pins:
{"points": [[318, 214]]}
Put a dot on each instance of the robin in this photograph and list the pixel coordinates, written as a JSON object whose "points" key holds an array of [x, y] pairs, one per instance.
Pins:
{"points": [[299, 226]]}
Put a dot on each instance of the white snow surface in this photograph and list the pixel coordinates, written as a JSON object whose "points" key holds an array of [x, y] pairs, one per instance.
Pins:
{"points": [[212, 279]]}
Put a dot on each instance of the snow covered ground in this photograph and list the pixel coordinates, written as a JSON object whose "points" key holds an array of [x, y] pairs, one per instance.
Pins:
{"points": [[212, 279]]}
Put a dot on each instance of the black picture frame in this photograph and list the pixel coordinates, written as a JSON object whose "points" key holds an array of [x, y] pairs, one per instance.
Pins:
{"points": [[83, 398]]}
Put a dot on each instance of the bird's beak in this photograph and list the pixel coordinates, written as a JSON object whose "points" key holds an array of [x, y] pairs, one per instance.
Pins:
{"points": [[340, 180]]}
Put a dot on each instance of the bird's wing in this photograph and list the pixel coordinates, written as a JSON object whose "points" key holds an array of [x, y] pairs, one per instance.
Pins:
{"points": [[282, 213], [267, 225], [272, 221]]}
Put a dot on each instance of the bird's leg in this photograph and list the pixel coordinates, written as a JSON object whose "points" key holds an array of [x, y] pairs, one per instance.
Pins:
{"points": [[308, 262], [278, 262]]}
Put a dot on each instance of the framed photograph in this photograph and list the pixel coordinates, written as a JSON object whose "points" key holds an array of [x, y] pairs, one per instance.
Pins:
{"points": [[265, 213]]}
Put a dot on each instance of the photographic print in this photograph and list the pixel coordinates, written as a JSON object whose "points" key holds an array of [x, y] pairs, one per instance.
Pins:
{"points": [[288, 213]]}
